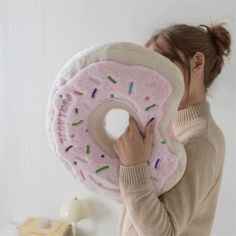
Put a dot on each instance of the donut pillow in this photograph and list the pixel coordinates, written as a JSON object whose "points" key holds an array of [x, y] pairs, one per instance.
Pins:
{"points": [[106, 76]]}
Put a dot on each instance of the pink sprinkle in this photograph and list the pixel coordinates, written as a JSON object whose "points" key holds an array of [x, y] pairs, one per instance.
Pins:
{"points": [[147, 98], [77, 92], [82, 174], [153, 178]]}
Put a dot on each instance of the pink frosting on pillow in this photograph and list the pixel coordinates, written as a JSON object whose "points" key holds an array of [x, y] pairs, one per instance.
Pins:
{"points": [[143, 89]]}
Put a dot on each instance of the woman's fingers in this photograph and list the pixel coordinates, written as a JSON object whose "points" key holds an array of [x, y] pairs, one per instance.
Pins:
{"points": [[133, 124]]}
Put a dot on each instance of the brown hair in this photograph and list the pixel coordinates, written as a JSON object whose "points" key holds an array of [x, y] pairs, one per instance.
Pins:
{"points": [[213, 41]]}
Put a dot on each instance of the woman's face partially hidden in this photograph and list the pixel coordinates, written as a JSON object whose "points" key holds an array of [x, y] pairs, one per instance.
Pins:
{"points": [[161, 47]]}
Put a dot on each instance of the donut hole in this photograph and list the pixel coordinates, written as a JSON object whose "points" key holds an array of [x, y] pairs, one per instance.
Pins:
{"points": [[107, 122], [116, 121]]}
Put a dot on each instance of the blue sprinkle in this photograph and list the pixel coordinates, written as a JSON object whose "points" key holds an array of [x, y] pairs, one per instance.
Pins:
{"points": [[130, 87]]}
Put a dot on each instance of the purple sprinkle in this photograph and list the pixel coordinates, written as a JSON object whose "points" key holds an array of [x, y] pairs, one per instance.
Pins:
{"points": [[76, 110], [67, 149], [157, 162], [94, 91], [150, 121], [130, 87], [102, 155]]}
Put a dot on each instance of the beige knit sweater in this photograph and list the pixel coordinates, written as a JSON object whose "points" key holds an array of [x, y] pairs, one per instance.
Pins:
{"points": [[189, 207]]}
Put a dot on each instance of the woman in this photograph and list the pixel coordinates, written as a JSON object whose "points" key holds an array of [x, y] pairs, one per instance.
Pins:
{"points": [[189, 207]]}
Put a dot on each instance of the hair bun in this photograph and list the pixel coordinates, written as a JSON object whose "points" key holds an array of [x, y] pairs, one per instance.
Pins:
{"points": [[221, 38]]}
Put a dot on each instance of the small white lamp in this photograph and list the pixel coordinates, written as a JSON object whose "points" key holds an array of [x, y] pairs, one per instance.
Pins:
{"points": [[74, 211]]}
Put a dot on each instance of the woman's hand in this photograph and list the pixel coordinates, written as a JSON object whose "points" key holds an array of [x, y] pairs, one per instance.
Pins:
{"points": [[131, 147]]}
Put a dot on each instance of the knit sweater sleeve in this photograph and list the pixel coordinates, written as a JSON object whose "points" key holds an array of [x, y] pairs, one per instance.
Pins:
{"points": [[172, 212]]}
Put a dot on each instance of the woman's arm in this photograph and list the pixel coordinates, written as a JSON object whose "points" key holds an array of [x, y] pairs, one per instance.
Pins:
{"points": [[174, 210]]}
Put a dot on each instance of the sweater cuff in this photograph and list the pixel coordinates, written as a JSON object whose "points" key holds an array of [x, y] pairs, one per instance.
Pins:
{"points": [[131, 176]]}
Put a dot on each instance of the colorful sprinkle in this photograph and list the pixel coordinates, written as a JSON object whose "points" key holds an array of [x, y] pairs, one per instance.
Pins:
{"points": [[67, 149], [82, 174], [150, 120], [86, 130], [87, 149], [102, 168], [164, 141], [130, 87], [61, 95], [77, 123], [147, 108], [111, 79], [157, 162], [76, 110], [112, 96], [78, 93], [72, 136], [147, 98], [94, 91], [102, 156], [75, 162], [154, 178]]}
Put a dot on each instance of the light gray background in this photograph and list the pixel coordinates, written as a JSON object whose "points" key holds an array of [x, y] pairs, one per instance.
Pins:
{"points": [[36, 39]]}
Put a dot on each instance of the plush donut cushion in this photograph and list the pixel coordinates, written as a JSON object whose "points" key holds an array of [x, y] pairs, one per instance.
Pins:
{"points": [[115, 75]]}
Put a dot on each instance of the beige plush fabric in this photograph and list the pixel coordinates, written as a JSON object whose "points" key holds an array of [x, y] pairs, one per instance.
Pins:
{"points": [[189, 207], [131, 54]]}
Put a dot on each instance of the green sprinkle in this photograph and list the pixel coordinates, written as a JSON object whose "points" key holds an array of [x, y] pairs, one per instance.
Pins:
{"points": [[102, 168], [77, 123], [87, 149], [112, 95], [147, 108], [164, 141], [112, 80]]}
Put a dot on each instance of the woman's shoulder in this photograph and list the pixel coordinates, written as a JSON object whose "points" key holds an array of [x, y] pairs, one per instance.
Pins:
{"points": [[208, 144], [215, 135], [217, 139], [205, 130]]}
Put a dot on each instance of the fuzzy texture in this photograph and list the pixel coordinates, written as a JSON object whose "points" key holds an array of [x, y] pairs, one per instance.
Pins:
{"points": [[76, 145], [189, 207], [119, 74]]}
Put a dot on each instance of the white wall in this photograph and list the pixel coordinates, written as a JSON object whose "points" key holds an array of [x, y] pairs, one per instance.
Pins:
{"points": [[36, 39]]}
